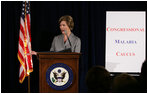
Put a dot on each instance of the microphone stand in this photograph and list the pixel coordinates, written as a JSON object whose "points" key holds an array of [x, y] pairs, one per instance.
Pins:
{"points": [[68, 40]]}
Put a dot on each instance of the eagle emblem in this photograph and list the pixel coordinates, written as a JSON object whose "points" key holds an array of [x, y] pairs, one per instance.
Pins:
{"points": [[59, 76]]}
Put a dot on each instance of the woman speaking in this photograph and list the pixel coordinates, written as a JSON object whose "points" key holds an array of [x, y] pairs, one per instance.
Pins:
{"points": [[66, 40]]}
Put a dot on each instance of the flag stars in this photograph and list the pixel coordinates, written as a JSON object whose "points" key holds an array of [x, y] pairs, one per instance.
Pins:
{"points": [[25, 9]]}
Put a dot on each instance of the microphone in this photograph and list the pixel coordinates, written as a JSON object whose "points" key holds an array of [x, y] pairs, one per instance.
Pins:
{"points": [[68, 39]]}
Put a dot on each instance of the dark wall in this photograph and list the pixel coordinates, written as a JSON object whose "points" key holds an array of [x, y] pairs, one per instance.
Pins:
{"points": [[90, 21]]}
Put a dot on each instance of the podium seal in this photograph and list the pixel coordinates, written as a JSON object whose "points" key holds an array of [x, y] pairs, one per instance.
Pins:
{"points": [[59, 76]]}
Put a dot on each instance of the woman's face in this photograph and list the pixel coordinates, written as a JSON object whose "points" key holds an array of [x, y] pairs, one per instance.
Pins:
{"points": [[64, 27]]}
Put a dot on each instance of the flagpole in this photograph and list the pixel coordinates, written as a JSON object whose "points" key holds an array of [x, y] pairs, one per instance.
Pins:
{"points": [[29, 84], [25, 48], [29, 74]]}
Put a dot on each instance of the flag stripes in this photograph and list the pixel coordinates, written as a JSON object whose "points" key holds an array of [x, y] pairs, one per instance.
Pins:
{"points": [[24, 46]]}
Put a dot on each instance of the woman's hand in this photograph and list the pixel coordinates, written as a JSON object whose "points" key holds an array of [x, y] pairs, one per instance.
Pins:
{"points": [[33, 53]]}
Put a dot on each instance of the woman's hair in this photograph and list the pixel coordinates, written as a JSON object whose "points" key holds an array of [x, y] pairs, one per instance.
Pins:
{"points": [[69, 21]]}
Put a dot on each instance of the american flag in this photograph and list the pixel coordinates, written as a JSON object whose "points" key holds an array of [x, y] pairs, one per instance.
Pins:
{"points": [[24, 45]]}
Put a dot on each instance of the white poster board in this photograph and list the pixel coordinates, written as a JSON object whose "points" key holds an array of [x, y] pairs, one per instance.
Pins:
{"points": [[125, 41]]}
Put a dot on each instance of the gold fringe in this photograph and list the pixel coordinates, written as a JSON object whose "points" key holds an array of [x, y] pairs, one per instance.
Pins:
{"points": [[28, 72]]}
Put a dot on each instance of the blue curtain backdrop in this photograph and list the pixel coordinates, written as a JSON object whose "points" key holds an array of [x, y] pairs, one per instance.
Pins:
{"points": [[90, 21]]}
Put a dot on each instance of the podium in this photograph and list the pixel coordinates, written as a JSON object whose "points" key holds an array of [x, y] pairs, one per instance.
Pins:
{"points": [[48, 61]]}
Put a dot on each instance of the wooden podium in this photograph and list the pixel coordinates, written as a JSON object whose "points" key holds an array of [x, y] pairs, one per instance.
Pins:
{"points": [[47, 59]]}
